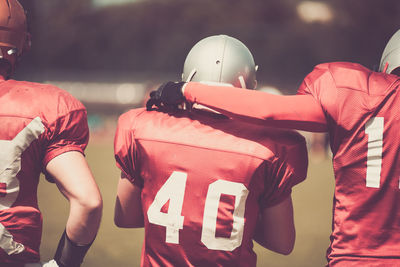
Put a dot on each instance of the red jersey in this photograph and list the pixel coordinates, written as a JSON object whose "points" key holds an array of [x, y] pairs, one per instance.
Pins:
{"points": [[39, 122], [362, 113], [360, 110], [204, 178]]}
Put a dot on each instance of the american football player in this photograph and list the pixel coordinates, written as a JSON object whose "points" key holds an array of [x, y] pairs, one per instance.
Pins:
{"points": [[44, 129], [203, 185], [359, 108]]}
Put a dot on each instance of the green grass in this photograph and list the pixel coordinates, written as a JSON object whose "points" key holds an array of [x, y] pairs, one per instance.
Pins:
{"points": [[122, 247]]}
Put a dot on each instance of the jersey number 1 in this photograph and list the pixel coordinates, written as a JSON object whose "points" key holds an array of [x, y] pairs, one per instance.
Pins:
{"points": [[374, 129], [173, 190]]}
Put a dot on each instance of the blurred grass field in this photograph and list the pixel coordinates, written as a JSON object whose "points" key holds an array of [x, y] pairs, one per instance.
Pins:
{"points": [[116, 247]]}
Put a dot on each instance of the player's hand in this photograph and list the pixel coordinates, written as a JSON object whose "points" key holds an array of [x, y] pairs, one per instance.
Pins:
{"points": [[169, 94]]}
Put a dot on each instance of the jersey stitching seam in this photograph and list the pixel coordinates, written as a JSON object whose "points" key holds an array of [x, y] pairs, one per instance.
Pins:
{"points": [[203, 147]]}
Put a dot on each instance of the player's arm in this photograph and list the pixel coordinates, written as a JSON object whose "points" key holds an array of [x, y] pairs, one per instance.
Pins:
{"points": [[74, 179], [128, 206], [301, 112], [275, 227]]}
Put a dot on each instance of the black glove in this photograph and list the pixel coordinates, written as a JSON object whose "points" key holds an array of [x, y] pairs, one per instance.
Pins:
{"points": [[169, 94]]}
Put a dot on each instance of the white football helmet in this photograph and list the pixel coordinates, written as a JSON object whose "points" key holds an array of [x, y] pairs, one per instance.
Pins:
{"points": [[391, 54], [220, 59]]}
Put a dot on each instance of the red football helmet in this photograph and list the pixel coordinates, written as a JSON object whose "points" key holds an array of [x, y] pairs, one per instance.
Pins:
{"points": [[13, 28]]}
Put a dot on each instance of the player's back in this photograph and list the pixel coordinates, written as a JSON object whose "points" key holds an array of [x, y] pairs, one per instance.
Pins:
{"points": [[204, 179], [32, 125], [363, 111]]}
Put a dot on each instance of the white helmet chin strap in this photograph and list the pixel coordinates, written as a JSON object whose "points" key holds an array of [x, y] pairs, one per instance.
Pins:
{"points": [[191, 74], [242, 82]]}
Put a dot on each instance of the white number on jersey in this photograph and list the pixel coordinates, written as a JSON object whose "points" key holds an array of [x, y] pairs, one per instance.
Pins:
{"points": [[10, 165], [374, 129], [211, 211], [173, 190]]}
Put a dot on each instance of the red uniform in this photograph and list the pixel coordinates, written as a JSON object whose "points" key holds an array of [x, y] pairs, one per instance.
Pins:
{"points": [[360, 109], [362, 113], [204, 178], [39, 122]]}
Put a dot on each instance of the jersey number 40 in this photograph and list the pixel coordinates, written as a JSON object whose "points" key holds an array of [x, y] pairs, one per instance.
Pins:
{"points": [[173, 190]]}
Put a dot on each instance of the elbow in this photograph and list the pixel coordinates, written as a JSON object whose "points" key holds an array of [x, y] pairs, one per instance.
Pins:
{"points": [[95, 205], [95, 209], [128, 214], [285, 250], [281, 248], [92, 205], [128, 219], [285, 247], [120, 223], [282, 244]]}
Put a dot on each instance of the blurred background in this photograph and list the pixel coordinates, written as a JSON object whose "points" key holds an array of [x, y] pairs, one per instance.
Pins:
{"points": [[129, 45], [111, 53]]}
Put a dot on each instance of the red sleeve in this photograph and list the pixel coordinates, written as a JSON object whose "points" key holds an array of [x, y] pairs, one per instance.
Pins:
{"points": [[125, 149], [294, 112], [69, 132], [319, 79], [287, 170]]}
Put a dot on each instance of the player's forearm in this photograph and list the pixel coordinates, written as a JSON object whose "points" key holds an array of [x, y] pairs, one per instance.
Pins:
{"points": [[293, 112], [84, 220], [81, 229]]}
